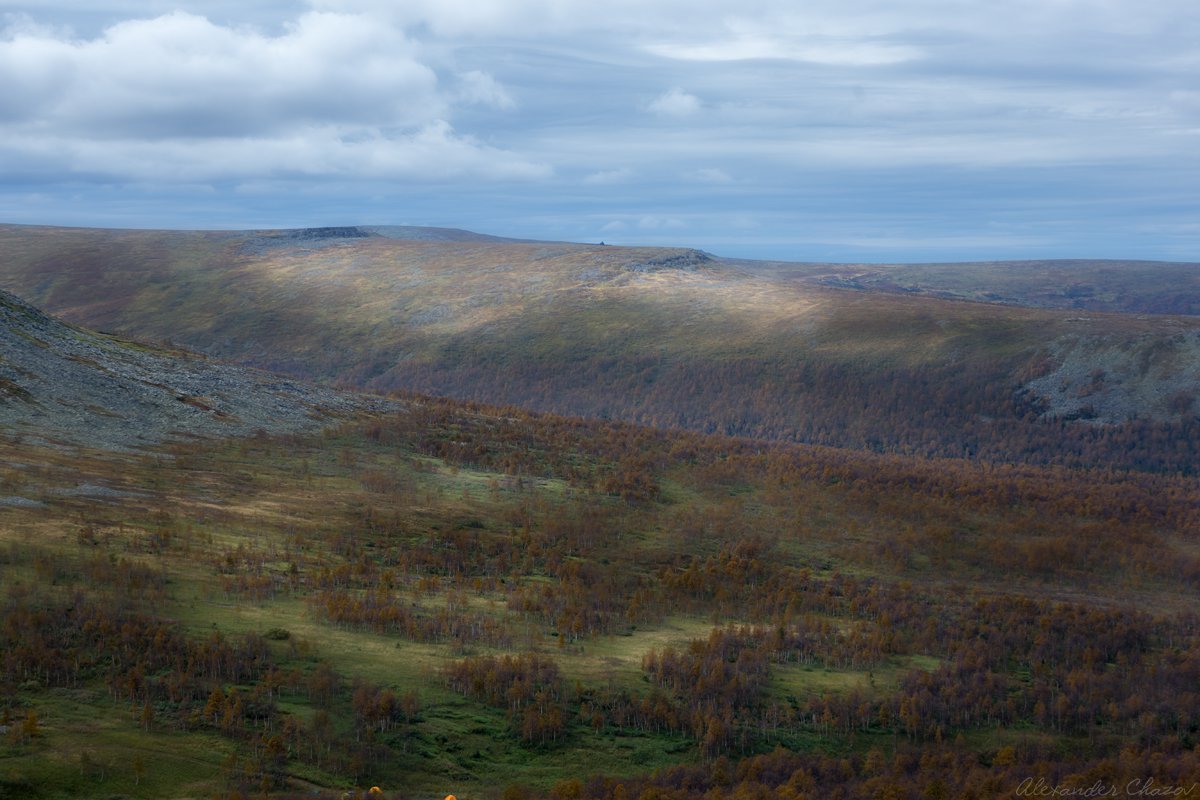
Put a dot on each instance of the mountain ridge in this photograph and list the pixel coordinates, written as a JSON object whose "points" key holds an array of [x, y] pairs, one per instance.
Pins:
{"points": [[1128, 286], [669, 337]]}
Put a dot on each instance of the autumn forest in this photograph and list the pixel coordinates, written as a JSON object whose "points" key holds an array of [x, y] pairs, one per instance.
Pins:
{"points": [[456, 596]]}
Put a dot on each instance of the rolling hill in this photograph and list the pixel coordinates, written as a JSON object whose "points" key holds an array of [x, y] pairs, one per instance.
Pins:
{"points": [[433, 596], [900, 359], [1140, 287]]}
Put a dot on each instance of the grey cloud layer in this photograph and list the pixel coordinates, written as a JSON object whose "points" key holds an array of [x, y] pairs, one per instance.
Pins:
{"points": [[633, 115]]}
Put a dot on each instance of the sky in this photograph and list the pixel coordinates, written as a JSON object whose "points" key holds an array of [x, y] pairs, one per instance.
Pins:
{"points": [[806, 130]]}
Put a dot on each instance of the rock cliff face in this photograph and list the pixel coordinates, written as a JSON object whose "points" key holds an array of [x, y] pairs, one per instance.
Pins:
{"points": [[63, 384], [1113, 379]]}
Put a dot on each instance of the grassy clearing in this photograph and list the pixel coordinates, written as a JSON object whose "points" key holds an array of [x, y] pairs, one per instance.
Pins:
{"points": [[89, 746], [616, 661], [799, 681]]}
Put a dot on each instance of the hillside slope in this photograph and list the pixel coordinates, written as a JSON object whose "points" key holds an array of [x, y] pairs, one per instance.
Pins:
{"points": [[495, 603], [462, 597], [1140, 287], [64, 384], [667, 337]]}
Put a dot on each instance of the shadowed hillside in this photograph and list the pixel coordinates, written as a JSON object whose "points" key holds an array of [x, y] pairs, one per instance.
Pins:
{"points": [[59, 383], [667, 337]]}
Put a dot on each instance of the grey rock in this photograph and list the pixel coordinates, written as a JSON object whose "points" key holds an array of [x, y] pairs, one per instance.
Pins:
{"points": [[686, 260], [66, 385], [21, 502]]}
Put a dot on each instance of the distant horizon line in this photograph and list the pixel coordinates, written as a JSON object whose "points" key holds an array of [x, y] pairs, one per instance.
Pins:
{"points": [[505, 238]]}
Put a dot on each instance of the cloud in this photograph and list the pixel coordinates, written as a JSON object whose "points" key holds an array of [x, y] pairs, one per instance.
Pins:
{"points": [[709, 175], [936, 242], [22, 24], [674, 103], [645, 224], [183, 75], [821, 105], [178, 96], [749, 44], [480, 88], [609, 177], [456, 17], [430, 153], [657, 222]]}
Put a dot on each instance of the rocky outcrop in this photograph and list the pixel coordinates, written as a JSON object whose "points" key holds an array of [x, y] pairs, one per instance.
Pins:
{"points": [[1119, 378], [686, 260], [63, 384]]}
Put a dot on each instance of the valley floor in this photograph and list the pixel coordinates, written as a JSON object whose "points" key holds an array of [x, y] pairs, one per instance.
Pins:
{"points": [[492, 603]]}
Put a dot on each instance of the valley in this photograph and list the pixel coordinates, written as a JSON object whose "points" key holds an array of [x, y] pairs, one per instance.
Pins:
{"points": [[617, 523], [284, 582]]}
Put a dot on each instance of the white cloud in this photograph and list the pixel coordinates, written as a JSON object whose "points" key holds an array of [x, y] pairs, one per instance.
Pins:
{"points": [[674, 103], [609, 177], [644, 223], [180, 97], [756, 45], [480, 88], [935, 242], [22, 24], [652, 222], [431, 152], [709, 175], [181, 74], [458, 17]]}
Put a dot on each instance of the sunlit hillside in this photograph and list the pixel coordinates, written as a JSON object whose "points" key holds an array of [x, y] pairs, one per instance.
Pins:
{"points": [[670, 338]]}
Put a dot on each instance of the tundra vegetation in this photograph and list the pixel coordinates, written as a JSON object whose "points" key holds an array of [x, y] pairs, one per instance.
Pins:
{"points": [[819, 532], [896, 359], [502, 603]]}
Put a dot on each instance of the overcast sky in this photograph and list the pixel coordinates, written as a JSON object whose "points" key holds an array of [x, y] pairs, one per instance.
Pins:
{"points": [[840, 130]]}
